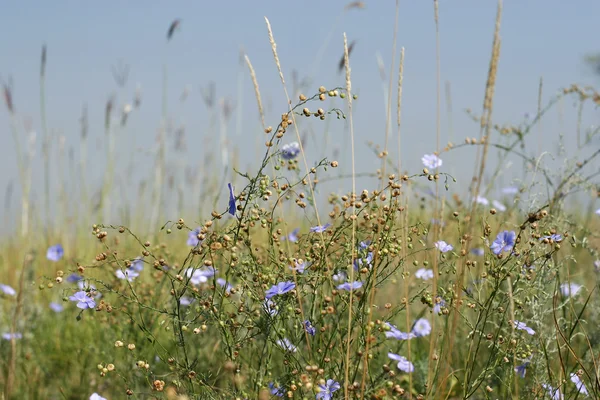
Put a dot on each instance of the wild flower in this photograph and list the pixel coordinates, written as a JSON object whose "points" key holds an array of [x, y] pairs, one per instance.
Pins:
{"points": [[498, 206], [395, 333], [422, 327], [186, 301], [554, 394], [341, 276], [290, 151], [193, 237], [579, 384], [403, 364], [570, 289], [597, 265], [129, 274], [504, 242], [478, 251], [521, 370], [55, 252], [554, 237], [276, 391], [368, 260], [280, 288], [431, 161], [309, 328], [286, 345], [350, 285], [270, 308], [443, 246], [83, 300], [523, 327], [7, 290], [481, 200], [232, 206], [320, 228], [56, 307], [74, 278], [11, 336], [326, 390], [424, 273], [96, 396], [137, 264], [299, 267], [598, 211], [223, 283], [292, 236], [199, 275], [510, 190], [439, 303]]}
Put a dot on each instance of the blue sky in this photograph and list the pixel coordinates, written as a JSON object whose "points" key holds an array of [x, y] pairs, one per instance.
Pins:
{"points": [[539, 39]]}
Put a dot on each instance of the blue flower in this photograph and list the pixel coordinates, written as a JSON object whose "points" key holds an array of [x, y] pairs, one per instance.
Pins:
{"points": [[499, 206], [423, 273], [395, 333], [223, 283], [193, 237], [579, 384], [431, 161], [10, 336], [443, 246], [280, 288], [292, 236], [83, 300], [299, 266], [422, 327], [350, 285], [55, 253], [309, 328], [74, 278], [477, 251], [96, 396], [270, 308], [403, 364], [290, 151], [199, 275], [129, 274], [552, 392], [326, 390], [554, 238], [504, 242], [570, 289], [521, 369], [276, 391], [598, 211], [523, 327], [340, 276], [7, 290], [231, 200], [510, 190], [481, 200], [137, 264], [186, 301], [439, 303], [56, 307], [286, 345], [320, 228]]}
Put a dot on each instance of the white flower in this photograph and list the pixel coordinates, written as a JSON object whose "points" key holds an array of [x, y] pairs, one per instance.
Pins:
{"points": [[431, 161], [424, 274]]}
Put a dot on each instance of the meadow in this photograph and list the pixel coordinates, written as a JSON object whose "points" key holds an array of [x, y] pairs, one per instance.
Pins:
{"points": [[285, 288]]}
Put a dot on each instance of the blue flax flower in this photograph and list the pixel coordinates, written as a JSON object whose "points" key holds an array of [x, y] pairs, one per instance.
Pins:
{"points": [[350, 285], [403, 364], [523, 327], [11, 336], [395, 333], [326, 390], [554, 394], [424, 273], [56, 307], [431, 161], [579, 384], [290, 151], [521, 370], [280, 288], [83, 300], [276, 391], [309, 328], [443, 246], [231, 200], [292, 236], [504, 242], [422, 327], [7, 290], [320, 228], [55, 253], [96, 396], [193, 237], [286, 345]]}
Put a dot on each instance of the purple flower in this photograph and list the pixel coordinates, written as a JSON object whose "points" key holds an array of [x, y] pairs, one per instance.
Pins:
{"points": [[137, 264], [74, 278], [56, 307], [368, 260], [554, 237], [423, 273], [193, 237], [280, 288], [286, 345], [10, 336], [521, 369], [554, 394], [510, 190], [7, 290], [129, 274], [270, 308], [350, 285], [199, 275], [443, 246], [579, 384], [292, 236], [186, 301], [570, 289], [481, 200], [395, 333], [437, 308], [477, 251], [431, 161], [96, 396], [326, 390], [55, 253], [299, 267], [403, 364], [223, 283], [523, 327], [83, 300], [309, 328], [290, 151], [231, 200], [421, 328], [276, 391], [504, 242], [320, 228], [499, 206], [340, 276]]}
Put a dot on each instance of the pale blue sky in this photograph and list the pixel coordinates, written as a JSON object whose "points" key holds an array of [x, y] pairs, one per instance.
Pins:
{"points": [[539, 38]]}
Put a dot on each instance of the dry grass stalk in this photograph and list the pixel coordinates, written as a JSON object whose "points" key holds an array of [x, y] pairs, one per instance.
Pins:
{"points": [[261, 110]]}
